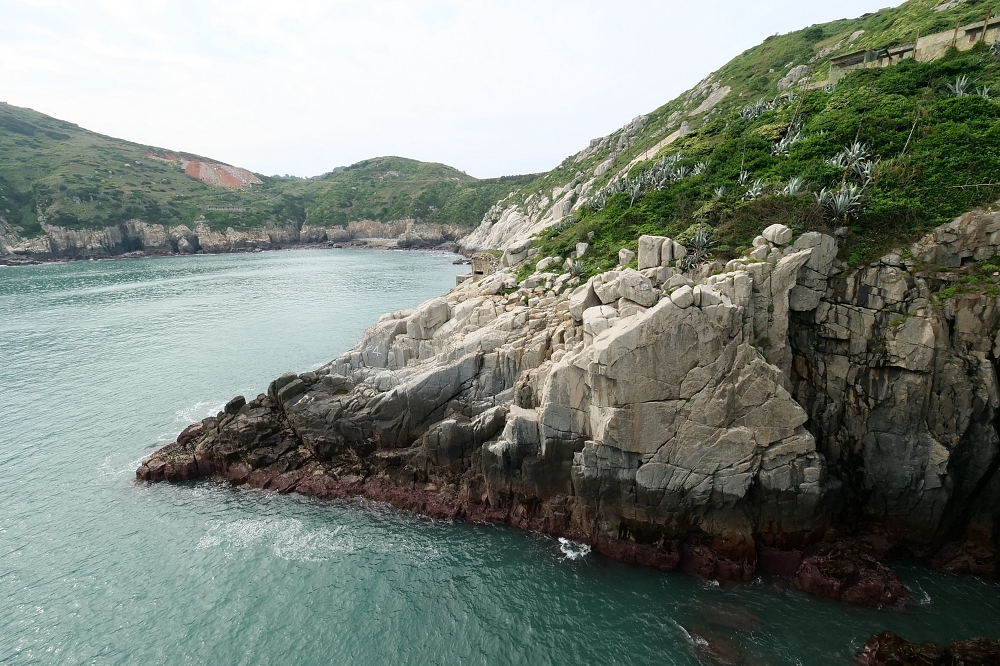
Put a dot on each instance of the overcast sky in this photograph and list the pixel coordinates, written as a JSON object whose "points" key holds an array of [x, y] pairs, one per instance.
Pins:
{"points": [[492, 87]]}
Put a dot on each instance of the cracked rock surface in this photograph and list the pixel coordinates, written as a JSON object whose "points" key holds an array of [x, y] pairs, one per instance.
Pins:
{"points": [[725, 424]]}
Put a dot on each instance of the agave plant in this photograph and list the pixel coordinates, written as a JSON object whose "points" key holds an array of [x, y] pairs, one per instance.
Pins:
{"points": [[681, 172], [755, 190], [961, 86], [599, 199], [564, 223], [855, 158], [838, 160], [743, 178], [793, 135], [996, 49], [984, 91], [755, 110], [794, 187], [843, 204], [720, 192], [699, 249], [857, 151], [699, 168], [865, 170], [634, 191], [672, 160]]}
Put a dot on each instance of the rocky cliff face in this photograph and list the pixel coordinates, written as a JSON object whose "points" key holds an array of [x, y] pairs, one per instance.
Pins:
{"points": [[888, 649], [138, 236], [135, 236], [899, 378], [511, 223], [764, 416]]}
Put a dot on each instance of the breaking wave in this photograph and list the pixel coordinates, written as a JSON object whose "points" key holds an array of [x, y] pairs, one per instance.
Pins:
{"points": [[572, 550]]}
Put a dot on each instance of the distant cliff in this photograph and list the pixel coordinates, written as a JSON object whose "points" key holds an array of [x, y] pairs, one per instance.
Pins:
{"points": [[135, 236], [68, 191]]}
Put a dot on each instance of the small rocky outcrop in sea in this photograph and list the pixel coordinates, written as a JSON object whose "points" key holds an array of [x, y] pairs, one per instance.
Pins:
{"points": [[848, 571], [734, 421], [888, 649]]}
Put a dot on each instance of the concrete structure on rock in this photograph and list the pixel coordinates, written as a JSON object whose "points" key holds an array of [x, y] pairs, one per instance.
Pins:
{"points": [[483, 264], [924, 49]]}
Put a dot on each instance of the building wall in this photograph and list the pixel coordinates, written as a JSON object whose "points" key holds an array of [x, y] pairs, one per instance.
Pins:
{"points": [[931, 47]]}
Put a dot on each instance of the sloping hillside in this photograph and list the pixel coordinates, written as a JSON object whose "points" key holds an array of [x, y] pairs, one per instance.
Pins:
{"points": [[394, 188], [782, 133], [57, 173], [881, 154]]}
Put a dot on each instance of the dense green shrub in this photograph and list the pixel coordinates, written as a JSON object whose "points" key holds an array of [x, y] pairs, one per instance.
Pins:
{"points": [[926, 148]]}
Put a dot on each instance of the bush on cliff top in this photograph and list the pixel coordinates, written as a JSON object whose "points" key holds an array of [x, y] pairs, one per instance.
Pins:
{"points": [[935, 156]]}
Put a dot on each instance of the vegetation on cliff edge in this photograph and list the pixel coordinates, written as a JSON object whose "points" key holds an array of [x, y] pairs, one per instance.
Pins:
{"points": [[928, 138]]}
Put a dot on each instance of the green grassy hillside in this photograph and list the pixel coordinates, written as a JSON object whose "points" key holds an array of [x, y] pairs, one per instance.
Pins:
{"points": [[885, 153], [393, 188], [926, 140], [78, 179]]}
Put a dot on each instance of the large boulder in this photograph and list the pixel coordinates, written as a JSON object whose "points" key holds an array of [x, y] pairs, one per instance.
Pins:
{"points": [[649, 251], [637, 288], [778, 234]]}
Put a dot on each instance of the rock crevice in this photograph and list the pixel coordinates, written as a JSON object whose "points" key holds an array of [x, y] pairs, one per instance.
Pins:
{"points": [[725, 424]]}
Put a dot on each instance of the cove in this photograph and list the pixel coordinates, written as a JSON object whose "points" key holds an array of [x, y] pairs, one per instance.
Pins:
{"points": [[103, 360]]}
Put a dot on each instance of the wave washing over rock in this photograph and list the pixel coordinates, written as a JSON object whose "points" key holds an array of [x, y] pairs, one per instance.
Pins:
{"points": [[769, 418]]}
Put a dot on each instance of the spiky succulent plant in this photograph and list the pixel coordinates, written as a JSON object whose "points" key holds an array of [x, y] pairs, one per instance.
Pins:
{"points": [[842, 204], [961, 86], [755, 190], [794, 187], [699, 248]]}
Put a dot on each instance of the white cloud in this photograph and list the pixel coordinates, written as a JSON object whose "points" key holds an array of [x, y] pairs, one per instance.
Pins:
{"points": [[301, 86]]}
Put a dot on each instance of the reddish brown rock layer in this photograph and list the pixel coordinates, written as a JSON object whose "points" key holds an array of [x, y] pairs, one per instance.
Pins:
{"points": [[253, 444], [888, 649]]}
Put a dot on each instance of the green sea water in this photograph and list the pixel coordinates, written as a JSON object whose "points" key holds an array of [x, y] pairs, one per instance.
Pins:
{"points": [[101, 361]]}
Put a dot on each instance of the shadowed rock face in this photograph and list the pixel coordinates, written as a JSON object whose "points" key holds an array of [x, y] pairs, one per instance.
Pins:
{"points": [[901, 388], [676, 421], [888, 649]]}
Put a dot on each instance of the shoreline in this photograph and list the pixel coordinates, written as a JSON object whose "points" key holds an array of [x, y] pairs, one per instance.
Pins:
{"points": [[850, 569], [16, 261]]}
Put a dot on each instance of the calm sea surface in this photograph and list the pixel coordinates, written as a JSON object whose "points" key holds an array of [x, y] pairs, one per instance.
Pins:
{"points": [[101, 361]]}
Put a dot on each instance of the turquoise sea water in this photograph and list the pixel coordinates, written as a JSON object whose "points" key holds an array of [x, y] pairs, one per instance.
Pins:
{"points": [[100, 361]]}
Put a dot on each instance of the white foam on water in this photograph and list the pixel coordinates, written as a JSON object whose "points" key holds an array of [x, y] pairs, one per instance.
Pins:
{"points": [[572, 550], [199, 411], [165, 438], [920, 595], [114, 466], [287, 539], [684, 632]]}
